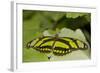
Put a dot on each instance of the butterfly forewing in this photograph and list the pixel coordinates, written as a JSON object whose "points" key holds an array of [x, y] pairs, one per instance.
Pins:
{"points": [[75, 43], [71, 42], [43, 45]]}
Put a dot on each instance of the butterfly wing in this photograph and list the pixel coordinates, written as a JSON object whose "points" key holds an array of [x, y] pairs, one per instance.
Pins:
{"points": [[75, 43], [59, 46], [43, 45], [66, 45]]}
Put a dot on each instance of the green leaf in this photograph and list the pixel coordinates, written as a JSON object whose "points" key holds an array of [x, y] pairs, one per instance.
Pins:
{"points": [[88, 17], [55, 16], [27, 14], [30, 55], [74, 14]]}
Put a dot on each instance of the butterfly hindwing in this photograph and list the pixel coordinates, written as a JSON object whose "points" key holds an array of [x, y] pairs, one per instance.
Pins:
{"points": [[44, 49], [60, 51]]}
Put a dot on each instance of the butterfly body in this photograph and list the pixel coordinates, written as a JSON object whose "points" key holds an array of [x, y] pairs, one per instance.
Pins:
{"points": [[59, 46]]}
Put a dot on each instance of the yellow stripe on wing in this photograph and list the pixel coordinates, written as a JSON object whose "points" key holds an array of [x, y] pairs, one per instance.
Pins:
{"points": [[49, 43], [41, 41], [60, 44], [71, 42]]}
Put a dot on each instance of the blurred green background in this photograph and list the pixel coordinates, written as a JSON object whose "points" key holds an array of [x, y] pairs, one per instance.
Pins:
{"points": [[36, 22]]}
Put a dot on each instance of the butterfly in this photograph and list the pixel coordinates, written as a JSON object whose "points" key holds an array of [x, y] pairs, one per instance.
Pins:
{"points": [[59, 46]]}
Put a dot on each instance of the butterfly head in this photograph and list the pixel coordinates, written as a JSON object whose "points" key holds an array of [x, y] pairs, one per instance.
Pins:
{"points": [[28, 45]]}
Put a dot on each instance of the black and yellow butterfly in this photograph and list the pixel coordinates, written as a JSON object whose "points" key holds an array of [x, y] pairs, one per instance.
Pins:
{"points": [[59, 46]]}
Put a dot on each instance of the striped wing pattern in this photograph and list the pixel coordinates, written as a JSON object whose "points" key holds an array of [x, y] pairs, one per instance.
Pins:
{"points": [[58, 46]]}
